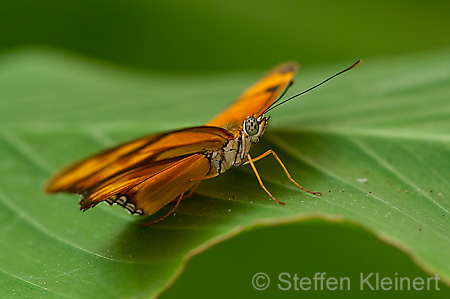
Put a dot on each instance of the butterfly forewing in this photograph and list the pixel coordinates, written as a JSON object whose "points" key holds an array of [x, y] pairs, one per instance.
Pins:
{"points": [[73, 178], [92, 171], [258, 97]]}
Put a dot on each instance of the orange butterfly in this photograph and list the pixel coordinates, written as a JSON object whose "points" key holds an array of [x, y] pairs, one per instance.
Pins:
{"points": [[146, 174]]}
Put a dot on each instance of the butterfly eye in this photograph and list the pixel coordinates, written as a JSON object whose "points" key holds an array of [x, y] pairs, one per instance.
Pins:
{"points": [[251, 126]]}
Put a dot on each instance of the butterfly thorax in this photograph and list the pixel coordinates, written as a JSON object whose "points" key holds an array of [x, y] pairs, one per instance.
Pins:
{"points": [[235, 151]]}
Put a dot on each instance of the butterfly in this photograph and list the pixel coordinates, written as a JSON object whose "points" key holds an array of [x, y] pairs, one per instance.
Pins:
{"points": [[146, 174]]}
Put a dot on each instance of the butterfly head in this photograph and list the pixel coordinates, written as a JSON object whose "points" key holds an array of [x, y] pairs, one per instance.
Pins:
{"points": [[254, 128]]}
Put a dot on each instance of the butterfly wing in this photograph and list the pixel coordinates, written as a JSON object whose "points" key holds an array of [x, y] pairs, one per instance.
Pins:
{"points": [[258, 97], [147, 189], [134, 166]]}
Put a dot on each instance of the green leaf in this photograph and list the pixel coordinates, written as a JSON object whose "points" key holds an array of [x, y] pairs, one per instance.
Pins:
{"points": [[375, 141], [337, 249]]}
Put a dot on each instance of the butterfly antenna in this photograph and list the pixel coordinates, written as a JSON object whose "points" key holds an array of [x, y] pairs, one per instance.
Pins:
{"points": [[309, 89]]}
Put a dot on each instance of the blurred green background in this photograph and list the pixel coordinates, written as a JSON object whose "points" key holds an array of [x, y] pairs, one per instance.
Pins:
{"points": [[223, 36]]}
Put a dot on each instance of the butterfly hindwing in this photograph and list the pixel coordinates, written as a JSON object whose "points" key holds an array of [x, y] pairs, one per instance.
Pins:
{"points": [[147, 190]]}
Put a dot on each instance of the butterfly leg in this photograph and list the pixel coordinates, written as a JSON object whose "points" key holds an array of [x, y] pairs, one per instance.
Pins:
{"points": [[182, 196], [209, 176], [167, 215], [284, 168], [189, 194], [260, 181]]}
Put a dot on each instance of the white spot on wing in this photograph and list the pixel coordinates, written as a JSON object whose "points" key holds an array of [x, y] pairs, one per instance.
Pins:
{"points": [[122, 200]]}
